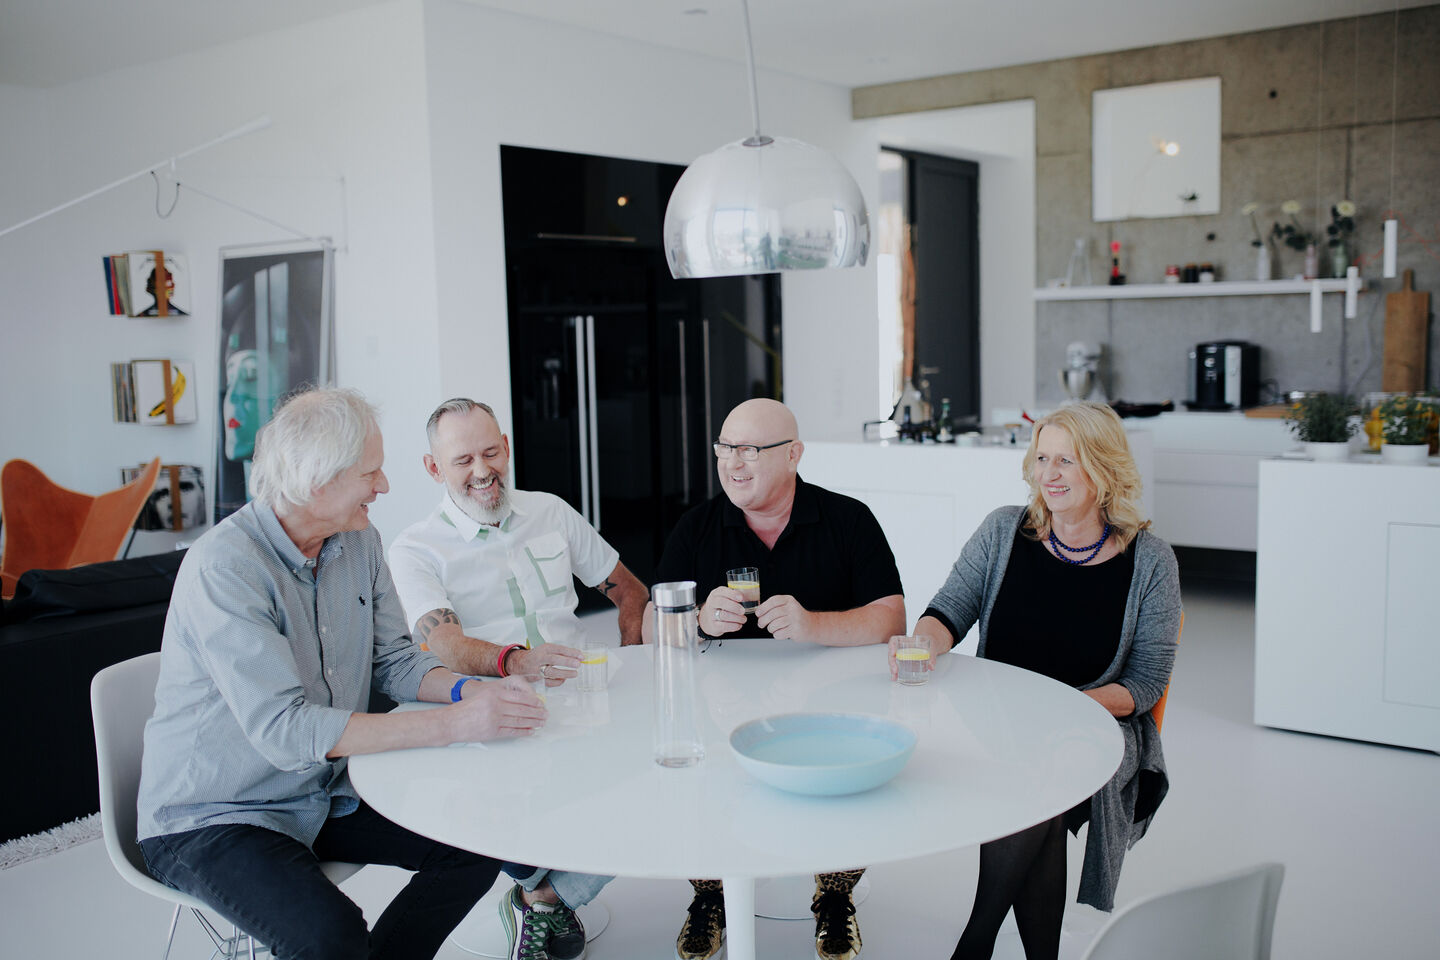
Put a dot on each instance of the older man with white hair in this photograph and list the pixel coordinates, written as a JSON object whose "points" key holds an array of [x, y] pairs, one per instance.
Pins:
{"points": [[283, 617]]}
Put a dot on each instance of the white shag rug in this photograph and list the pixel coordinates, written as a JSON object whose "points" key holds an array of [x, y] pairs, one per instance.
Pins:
{"points": [[37, 845]]}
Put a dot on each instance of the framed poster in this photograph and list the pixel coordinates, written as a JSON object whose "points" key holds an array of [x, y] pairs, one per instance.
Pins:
{"points": [[178, 500], [276, 335]]}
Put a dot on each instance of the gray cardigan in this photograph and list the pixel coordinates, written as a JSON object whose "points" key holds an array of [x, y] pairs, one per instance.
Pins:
{"points": [[1120, 812]]}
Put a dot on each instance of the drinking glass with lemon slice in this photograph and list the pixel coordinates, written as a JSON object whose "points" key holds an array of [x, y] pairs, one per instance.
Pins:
{"points": [[912, 659], [747, 581], [594, 666]]}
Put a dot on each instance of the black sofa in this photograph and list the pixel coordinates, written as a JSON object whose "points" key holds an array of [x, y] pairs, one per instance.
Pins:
{"points": [[61, 628]]}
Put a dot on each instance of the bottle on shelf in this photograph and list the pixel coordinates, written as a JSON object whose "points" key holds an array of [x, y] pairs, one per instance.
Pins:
{"points": [[907, 427], [1077, 273], [942, 433], [1116, 277]]}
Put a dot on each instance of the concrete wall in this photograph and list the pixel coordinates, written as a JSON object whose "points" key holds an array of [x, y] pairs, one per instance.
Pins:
{"points": [[1306, 115]]}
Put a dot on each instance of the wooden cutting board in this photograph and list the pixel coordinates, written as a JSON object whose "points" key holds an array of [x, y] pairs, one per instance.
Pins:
{"points": [[1407, 313]]}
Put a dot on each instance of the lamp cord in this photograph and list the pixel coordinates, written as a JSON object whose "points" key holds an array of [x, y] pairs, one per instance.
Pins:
{"points": [[758, 139]]}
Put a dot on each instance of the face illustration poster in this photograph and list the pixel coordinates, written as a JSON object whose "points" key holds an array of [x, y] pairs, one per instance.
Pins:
{"points": [[276, 335]]}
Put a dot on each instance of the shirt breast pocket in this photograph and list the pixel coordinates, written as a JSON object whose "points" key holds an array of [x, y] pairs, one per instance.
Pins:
{"points": [[548, 559]]}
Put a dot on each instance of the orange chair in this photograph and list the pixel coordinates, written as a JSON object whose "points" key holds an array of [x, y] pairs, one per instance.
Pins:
{"points": [[48, 527], [1158, 711]]}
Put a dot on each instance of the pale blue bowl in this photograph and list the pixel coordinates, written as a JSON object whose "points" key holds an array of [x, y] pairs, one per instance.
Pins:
{"points": [[823, 754]]}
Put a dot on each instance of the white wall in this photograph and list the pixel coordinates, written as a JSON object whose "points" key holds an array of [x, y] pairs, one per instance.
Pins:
{"points": [[409, 101], [502, 79], [347, 97], [1001, 138]]}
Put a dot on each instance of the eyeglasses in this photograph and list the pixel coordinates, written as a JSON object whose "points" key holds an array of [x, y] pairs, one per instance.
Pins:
{"points": [[746, 451]]}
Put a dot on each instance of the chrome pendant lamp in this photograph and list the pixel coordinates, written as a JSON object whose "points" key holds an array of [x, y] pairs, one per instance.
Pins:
{"points": [[764, 204]]}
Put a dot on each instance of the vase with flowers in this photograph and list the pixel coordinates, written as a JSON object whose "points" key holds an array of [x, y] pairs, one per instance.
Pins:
{"points": [[1297, 237], [1341, 229], [1262, 248], [1408, 423]]}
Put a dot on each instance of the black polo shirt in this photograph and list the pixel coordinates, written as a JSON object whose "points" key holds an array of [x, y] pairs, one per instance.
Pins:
{"points": [[831, 556]]}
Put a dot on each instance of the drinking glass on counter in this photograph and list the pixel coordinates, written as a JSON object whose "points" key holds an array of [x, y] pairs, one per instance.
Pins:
{"points": [[747, 581], [912, 659]]}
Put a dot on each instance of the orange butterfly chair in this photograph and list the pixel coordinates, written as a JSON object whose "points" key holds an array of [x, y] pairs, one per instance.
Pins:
{"points": [[1158, 711], [48, 527]]}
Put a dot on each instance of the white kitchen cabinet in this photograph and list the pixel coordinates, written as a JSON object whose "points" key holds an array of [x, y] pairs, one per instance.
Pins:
{"points": [[1347, 619]]}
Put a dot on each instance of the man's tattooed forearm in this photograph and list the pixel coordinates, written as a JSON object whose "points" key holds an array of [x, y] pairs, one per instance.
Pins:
{"points": [[433, 619], [606, 587]]}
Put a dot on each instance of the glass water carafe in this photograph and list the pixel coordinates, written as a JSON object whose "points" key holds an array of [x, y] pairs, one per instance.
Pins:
{"points": [[676, 728]]}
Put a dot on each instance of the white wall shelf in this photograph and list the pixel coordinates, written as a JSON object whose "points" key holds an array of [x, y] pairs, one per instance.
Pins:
{"points": [[1226, 288]]}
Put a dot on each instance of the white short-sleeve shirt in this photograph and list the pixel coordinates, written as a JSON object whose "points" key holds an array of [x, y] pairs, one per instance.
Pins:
{"points": [[508, 584]]}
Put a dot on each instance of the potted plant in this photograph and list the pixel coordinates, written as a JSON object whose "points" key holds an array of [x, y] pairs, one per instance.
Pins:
{"points": [[1324, 423], [1297, 237], [1407, 424]]}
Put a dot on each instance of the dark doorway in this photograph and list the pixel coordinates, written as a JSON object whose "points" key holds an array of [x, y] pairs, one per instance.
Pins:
{"points": [[942, 209]]}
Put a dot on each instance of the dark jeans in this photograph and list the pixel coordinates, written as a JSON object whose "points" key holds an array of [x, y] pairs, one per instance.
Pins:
{"points": [[271, 886]]}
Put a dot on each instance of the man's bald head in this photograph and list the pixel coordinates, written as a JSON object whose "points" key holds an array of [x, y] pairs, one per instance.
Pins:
{"points": [[765, 485], [761, 421]]}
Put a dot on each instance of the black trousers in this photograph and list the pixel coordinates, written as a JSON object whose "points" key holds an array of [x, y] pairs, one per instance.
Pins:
{"points": [[271, 886]]}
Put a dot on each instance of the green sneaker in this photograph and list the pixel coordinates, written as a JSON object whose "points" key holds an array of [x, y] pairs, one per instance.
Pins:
{"points": [[527, 929]]}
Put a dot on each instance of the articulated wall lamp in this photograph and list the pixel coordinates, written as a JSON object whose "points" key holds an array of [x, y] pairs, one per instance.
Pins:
{"points": [[764, 204]]}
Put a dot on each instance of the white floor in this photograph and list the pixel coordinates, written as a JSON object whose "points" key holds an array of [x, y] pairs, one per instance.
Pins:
{"points": [[1356, 825]]}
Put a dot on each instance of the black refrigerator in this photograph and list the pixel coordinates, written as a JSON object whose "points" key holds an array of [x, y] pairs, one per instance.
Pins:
{"points": [[621, 375]]}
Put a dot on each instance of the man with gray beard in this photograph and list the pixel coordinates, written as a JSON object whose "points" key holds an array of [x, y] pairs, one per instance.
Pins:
{"points": [[488, 582]]}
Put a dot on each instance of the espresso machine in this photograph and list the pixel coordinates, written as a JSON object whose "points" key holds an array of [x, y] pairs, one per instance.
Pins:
{"points": [[1081, 370]]}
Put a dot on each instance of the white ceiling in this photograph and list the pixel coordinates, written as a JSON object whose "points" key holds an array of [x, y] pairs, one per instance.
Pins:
{"points": [[846, 42]]}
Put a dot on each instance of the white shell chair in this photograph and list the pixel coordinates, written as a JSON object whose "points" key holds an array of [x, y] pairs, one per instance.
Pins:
{"points": [[122, 697], [1228, 918]]}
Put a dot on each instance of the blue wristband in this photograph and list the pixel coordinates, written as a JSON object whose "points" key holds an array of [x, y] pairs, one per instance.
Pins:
{"points": [[455, 690]]}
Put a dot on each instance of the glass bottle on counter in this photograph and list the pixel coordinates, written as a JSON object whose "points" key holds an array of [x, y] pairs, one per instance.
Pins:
{"points": [[907, 426], [943, 433]]}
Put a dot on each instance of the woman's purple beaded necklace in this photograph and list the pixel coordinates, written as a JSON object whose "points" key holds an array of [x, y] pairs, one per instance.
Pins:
{"points": [[1092, 551]]}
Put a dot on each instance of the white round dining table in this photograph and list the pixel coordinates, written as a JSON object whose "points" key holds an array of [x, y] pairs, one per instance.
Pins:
{"points": [[999, 749]]}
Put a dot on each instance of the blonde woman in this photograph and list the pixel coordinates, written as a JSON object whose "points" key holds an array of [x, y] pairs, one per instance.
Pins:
{"points": [[1075, 587]]}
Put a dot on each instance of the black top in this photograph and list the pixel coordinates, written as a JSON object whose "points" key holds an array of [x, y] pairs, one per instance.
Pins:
{"points": [[1056, 618], [832, 555]]}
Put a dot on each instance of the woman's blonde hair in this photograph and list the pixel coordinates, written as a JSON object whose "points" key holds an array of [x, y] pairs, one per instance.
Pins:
{"points": [[1103, 452]]}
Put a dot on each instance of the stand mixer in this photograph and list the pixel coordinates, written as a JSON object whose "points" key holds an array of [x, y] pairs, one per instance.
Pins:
{"points": [[1082, 363]]}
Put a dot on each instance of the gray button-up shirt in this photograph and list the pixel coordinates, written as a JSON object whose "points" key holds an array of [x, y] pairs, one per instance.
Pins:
{"points": [[266, 654]]}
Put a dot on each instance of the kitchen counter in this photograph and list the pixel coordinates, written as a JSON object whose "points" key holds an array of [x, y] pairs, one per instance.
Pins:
{"points": [[1207, 477]]}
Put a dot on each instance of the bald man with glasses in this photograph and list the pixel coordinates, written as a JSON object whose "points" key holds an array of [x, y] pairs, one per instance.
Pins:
{"points": [[827, 576]]}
